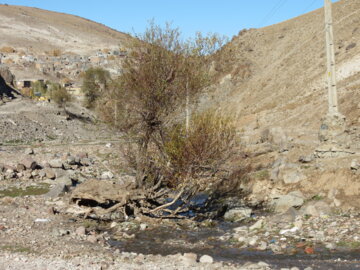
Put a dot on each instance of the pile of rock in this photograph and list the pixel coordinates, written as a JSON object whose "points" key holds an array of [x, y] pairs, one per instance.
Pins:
{"points": [[62, 172]]}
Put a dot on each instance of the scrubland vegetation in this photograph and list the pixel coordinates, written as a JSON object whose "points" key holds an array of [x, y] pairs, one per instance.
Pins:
{"points": [[161, 76]]}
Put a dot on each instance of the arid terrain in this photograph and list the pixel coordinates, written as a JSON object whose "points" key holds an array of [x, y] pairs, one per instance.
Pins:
{"points": [[61, 169]]}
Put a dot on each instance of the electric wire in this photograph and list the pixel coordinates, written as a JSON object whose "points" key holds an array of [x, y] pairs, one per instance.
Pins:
{"points": [[309, 6], [272, 12]]}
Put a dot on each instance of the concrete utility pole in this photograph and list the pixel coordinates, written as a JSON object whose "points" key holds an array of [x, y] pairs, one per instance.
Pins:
{"points": [[330, 52], [332, 130]]}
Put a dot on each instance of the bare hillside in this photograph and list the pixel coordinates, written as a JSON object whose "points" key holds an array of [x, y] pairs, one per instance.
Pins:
{"points": [[277, 73], [38, 30]]}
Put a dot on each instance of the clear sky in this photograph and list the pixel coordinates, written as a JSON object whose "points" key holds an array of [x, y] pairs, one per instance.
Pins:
{"points": [[226, 17]]}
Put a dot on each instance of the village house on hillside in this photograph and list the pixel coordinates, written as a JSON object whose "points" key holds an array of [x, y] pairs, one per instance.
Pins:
{"points": [[65, 65]]}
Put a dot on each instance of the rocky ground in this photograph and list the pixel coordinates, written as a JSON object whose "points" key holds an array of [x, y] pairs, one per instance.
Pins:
{"points": [[310, 221], [40, 230]]}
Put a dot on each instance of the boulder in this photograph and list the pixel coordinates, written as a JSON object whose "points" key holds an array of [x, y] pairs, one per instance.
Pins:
{"points": [[316, 209], [29, 164], [6, 80], [282, 203], [56, 191], [71, 160], [292, 175], [7, 76], [65, 180]]}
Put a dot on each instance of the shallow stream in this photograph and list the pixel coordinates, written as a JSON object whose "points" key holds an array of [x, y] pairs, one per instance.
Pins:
{"points": [[165, 240]]}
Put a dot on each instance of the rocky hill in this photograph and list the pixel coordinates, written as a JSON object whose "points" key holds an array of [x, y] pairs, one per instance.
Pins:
{"points": [[276, 75], [41, 30], [273, 80], [40, 44]]}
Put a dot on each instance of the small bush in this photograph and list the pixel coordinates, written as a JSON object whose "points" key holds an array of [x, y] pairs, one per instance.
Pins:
{"points": [[95, 84], [204, 149], [55, 52], [39, 86], [59, 95]]}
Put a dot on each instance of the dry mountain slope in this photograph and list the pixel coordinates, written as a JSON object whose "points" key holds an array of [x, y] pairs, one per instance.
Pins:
{"points": [[39, 30], [284, 67]]}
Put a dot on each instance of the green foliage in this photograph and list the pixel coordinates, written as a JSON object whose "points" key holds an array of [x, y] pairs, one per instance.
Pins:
{"points": [[262, 175], [95, 83], [59, 94], [160, 73], [39, 86], [205, 147]]}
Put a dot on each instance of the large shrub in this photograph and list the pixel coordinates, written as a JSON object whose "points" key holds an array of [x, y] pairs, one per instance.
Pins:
{"points": [[200, 150], [160, 74]]}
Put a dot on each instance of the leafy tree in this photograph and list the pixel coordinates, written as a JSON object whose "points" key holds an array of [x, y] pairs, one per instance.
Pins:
{"points": [[159, 73], [95, 82], [59, 94]]}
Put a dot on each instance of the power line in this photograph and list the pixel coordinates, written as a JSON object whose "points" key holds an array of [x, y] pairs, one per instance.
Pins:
{"points": [[272, 12], [308, 7]]}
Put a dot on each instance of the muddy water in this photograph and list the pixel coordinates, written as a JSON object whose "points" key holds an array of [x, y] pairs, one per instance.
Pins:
{"points": [[167, 240]]}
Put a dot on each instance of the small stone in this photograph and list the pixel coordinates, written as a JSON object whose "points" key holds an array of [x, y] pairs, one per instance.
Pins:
{"points": [[206, 259], [306, 159], [253, 240], [107, 175], [92, 239], [330, 246], [308, 268], [189, 258], [355, 165], [262, 246], [63, 232], [113, 224], [337, 203], [257, 226], [49, 173], [85, 161], [82, 155], [237, 214], [108, 145], [29, 151], [20, 167], [56, 163], [42, 174], [80, 231], [294, 268]]}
